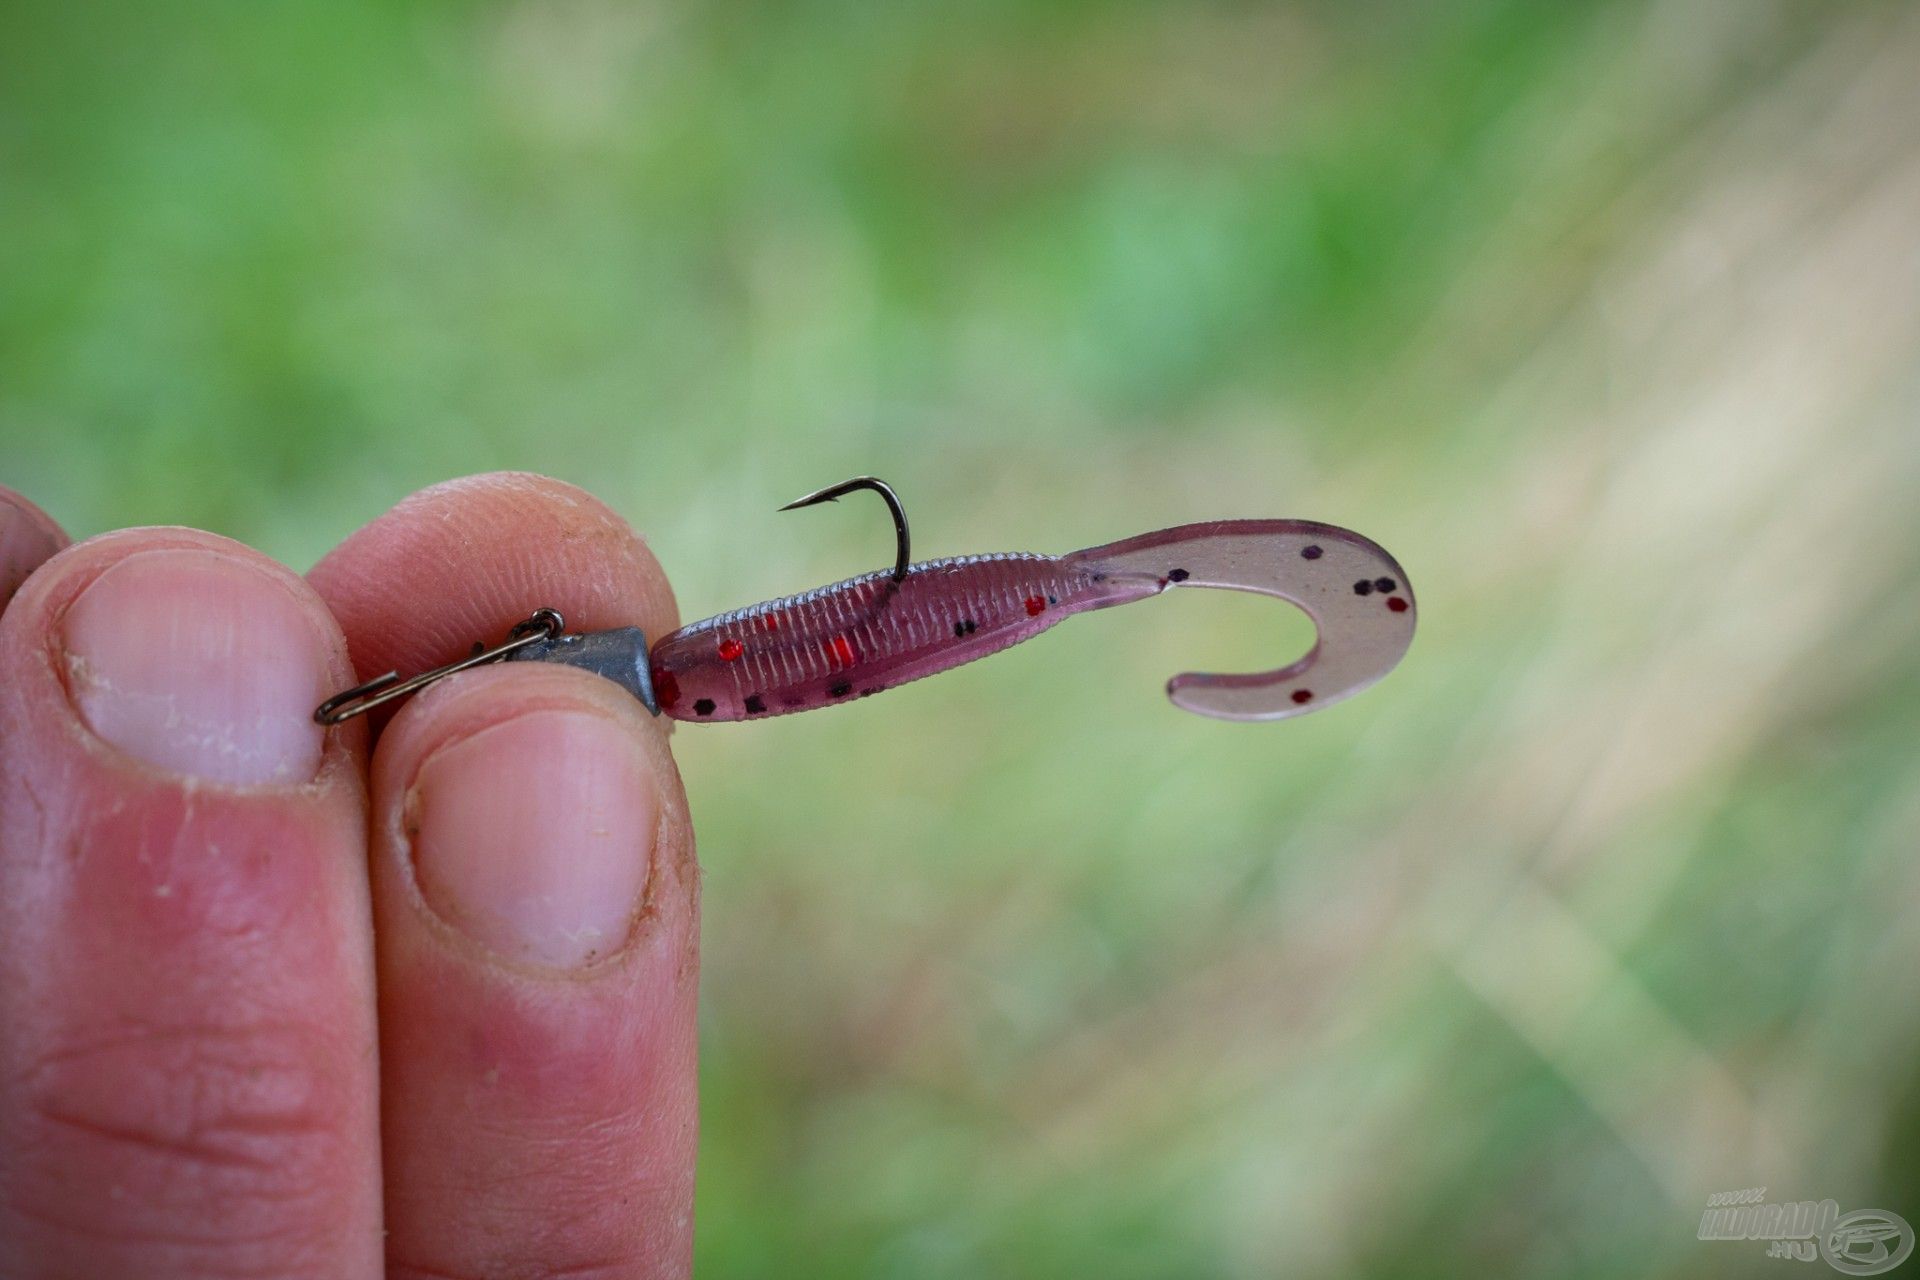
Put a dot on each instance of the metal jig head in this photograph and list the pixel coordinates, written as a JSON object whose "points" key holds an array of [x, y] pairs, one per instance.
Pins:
{"points": [[886, 628]]}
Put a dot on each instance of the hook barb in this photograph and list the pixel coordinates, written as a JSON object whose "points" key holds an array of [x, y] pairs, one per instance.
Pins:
{"points": [[902, 553]]}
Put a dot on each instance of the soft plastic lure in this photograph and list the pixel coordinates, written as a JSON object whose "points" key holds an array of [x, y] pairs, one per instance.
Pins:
{"points": [[891, 626]]}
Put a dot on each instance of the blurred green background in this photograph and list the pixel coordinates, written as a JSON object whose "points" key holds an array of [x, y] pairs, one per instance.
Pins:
{"points": [[1604, 318]]}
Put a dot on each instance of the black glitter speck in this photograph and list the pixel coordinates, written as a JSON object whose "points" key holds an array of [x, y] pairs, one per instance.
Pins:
{"points": [[704, 707], [1363, 588], [755, 704], [1311, 553], [1384, 584], [840, 690], [1177, 575]]}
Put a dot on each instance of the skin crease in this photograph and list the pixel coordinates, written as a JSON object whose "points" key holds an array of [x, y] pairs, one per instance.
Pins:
{"points": [[289, 1063]]}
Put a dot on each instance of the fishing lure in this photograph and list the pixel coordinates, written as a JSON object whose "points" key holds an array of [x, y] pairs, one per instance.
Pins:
{"points": [[886, 628]]}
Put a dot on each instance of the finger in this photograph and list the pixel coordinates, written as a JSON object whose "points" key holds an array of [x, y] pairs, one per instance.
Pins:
{"points": [[535, 892], [187, 1074], [28, 536], [459, 563], [535, 899]]}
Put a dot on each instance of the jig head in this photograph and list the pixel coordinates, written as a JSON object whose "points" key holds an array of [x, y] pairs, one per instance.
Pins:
{"points": [[889, 627]]}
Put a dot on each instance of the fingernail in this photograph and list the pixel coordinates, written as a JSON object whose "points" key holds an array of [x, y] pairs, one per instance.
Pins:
{"points": [[202, 663], [534, 836]]}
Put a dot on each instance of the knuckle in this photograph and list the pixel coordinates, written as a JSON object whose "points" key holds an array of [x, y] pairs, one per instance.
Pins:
{"points": [[552, 1233], [623, 1268], [231, 1135]]}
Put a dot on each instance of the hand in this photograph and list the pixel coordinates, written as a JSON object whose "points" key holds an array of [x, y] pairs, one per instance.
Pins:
{"points": [[207, 1065]]}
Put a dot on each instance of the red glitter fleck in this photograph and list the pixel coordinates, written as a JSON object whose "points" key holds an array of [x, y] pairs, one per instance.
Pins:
{"points": [[666, 690], [731, 649], [1396, 604], [770, 622], [1303, 695], [1035, 604], [840, 650]]}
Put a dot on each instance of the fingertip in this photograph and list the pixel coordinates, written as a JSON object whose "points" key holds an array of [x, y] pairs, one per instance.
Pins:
{"points": [[183, 651], [530, 806], [461, 561], [28, 538]]}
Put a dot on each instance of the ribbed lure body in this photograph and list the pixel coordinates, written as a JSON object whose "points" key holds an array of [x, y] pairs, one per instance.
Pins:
{"points": [[857, 637]]}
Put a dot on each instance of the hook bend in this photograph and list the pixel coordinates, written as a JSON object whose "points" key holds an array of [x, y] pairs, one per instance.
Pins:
{"points": [[902, 539]]}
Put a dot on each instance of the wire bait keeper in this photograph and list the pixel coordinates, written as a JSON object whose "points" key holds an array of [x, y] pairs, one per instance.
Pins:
{"points": [[620, 655], [886, 628]]}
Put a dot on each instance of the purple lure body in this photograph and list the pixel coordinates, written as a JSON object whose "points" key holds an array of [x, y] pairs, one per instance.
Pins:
{"points": [[869, 633]]}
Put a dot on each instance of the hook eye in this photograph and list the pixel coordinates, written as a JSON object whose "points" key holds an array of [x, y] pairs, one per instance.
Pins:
{"points": [[1357, 595]]}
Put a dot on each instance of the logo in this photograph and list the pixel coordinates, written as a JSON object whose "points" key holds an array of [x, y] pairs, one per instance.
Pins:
{"points": [[1866, 1242]]}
